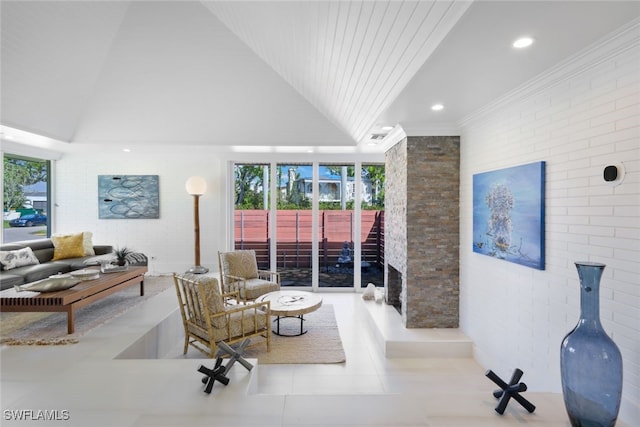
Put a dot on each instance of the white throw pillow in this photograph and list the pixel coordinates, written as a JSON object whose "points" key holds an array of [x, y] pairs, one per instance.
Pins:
{"points": [[87, 243], [18, 258]]}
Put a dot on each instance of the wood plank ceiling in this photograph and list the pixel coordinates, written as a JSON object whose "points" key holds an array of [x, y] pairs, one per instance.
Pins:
{"points": [[349, 59]]}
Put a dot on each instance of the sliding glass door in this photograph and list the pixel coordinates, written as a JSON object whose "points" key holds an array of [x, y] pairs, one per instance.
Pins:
{"points": [[251, 211], [372, 225], [294, 216], [336, 255], [318, 225]]}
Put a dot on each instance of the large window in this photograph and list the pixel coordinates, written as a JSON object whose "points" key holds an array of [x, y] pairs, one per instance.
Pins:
{"points": [[25, 198], [319, 225]]}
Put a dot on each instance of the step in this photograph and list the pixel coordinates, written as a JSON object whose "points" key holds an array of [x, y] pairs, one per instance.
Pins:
{"points": [[396, 341]]}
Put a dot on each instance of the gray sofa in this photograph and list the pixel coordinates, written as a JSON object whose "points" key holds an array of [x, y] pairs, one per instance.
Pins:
{"points": [[43, 250]]}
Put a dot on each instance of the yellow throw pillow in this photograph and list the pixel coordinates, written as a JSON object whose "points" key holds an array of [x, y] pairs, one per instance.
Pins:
{"points": [[67, 246], [87, 241]]}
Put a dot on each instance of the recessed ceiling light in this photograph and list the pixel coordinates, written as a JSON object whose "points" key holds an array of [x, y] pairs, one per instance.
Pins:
{"points": [[126, 150], [437, 107], [387, 127], [523, 42]]}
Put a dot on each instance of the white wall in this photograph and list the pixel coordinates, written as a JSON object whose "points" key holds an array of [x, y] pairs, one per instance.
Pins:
{"points": [[578, 118], [167, 241]]}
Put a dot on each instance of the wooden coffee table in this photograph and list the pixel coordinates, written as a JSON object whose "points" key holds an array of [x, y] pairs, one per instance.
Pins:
{"points": [[291, 304], [69, 300]]}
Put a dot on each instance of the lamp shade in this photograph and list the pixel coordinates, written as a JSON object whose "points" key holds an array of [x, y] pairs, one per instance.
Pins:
{"points": [[196, 186]]}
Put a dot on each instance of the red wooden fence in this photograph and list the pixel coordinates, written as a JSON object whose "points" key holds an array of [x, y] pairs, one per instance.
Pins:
{"points": [[294, 234]]}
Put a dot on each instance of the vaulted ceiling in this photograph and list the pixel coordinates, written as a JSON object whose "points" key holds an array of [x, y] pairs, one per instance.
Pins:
{"points": [[279, 73]]}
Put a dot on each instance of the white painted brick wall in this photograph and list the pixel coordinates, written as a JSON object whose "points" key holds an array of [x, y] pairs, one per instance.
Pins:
{"points": [[516, 316]]}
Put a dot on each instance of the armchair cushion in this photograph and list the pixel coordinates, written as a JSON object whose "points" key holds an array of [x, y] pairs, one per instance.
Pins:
{"points": [[251, 289], [240, 263], [236, 324], [211, 297]]}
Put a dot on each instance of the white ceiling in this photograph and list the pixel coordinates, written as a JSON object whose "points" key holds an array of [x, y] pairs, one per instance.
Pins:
{"points": [[277, 73]]}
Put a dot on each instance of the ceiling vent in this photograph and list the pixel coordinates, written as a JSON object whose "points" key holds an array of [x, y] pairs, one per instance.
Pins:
{"points": [[378, 136]]}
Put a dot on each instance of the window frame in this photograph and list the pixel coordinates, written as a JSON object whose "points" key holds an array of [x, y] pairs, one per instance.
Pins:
{"points": [[49, 168]]}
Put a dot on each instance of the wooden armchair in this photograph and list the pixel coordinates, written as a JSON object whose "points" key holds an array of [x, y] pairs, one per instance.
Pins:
{"points": [[239, 272], [208, 319]]}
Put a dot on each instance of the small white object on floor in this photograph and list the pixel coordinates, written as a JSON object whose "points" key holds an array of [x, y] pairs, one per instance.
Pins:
{"points": [[369, 292]]}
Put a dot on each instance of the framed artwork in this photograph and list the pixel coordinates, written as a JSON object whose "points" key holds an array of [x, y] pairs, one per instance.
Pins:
{"points": [[508, 214], [128, 197]]}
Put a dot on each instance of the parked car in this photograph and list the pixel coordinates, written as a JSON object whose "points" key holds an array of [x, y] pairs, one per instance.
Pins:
{"points": [[29, 220]]}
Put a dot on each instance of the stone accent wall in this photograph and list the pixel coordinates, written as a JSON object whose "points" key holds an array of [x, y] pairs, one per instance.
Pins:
{"points": [[395, 218], [422, 228]]}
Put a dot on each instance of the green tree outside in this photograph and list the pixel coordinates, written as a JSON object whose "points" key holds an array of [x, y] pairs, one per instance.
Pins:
{"points": [[250, 187], [18, 174]]}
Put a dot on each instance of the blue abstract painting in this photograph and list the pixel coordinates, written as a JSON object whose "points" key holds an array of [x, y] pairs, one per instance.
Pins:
{"points": [[128, 197], [508, 214]]}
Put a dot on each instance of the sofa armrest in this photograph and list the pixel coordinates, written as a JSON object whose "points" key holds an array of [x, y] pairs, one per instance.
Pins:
{"points": [[102, 249]]}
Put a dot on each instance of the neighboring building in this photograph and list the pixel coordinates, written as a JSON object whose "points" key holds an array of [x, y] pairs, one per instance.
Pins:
{"points": [[331, 189], [37, 201]]}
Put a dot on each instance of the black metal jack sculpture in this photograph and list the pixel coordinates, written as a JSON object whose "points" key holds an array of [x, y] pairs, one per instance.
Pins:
{"points": [[219, 370], [213, 375], [513, 389]]}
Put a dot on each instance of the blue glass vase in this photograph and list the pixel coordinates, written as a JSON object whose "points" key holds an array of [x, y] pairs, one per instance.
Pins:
{"points": [[590, 362]]}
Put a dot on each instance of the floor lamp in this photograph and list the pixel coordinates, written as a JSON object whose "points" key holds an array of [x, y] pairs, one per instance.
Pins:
{"points": [[196, 186]]}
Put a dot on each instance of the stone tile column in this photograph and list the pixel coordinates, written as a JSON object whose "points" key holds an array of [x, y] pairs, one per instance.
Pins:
{"points": [[422, 228]]}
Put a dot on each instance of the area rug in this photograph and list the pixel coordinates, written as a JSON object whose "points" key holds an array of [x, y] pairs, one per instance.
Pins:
{"points": [[51, 328], [321, 344]]}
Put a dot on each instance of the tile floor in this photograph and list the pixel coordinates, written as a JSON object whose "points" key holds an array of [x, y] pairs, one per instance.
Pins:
{"points": [[90, 384]]}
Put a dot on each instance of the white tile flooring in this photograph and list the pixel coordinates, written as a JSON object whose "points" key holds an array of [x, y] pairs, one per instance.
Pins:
{"points": [[95, 388]]}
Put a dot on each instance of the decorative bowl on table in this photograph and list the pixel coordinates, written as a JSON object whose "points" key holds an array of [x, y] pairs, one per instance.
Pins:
{"points": [[52, 284], [85, 274], [109, 268]]}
